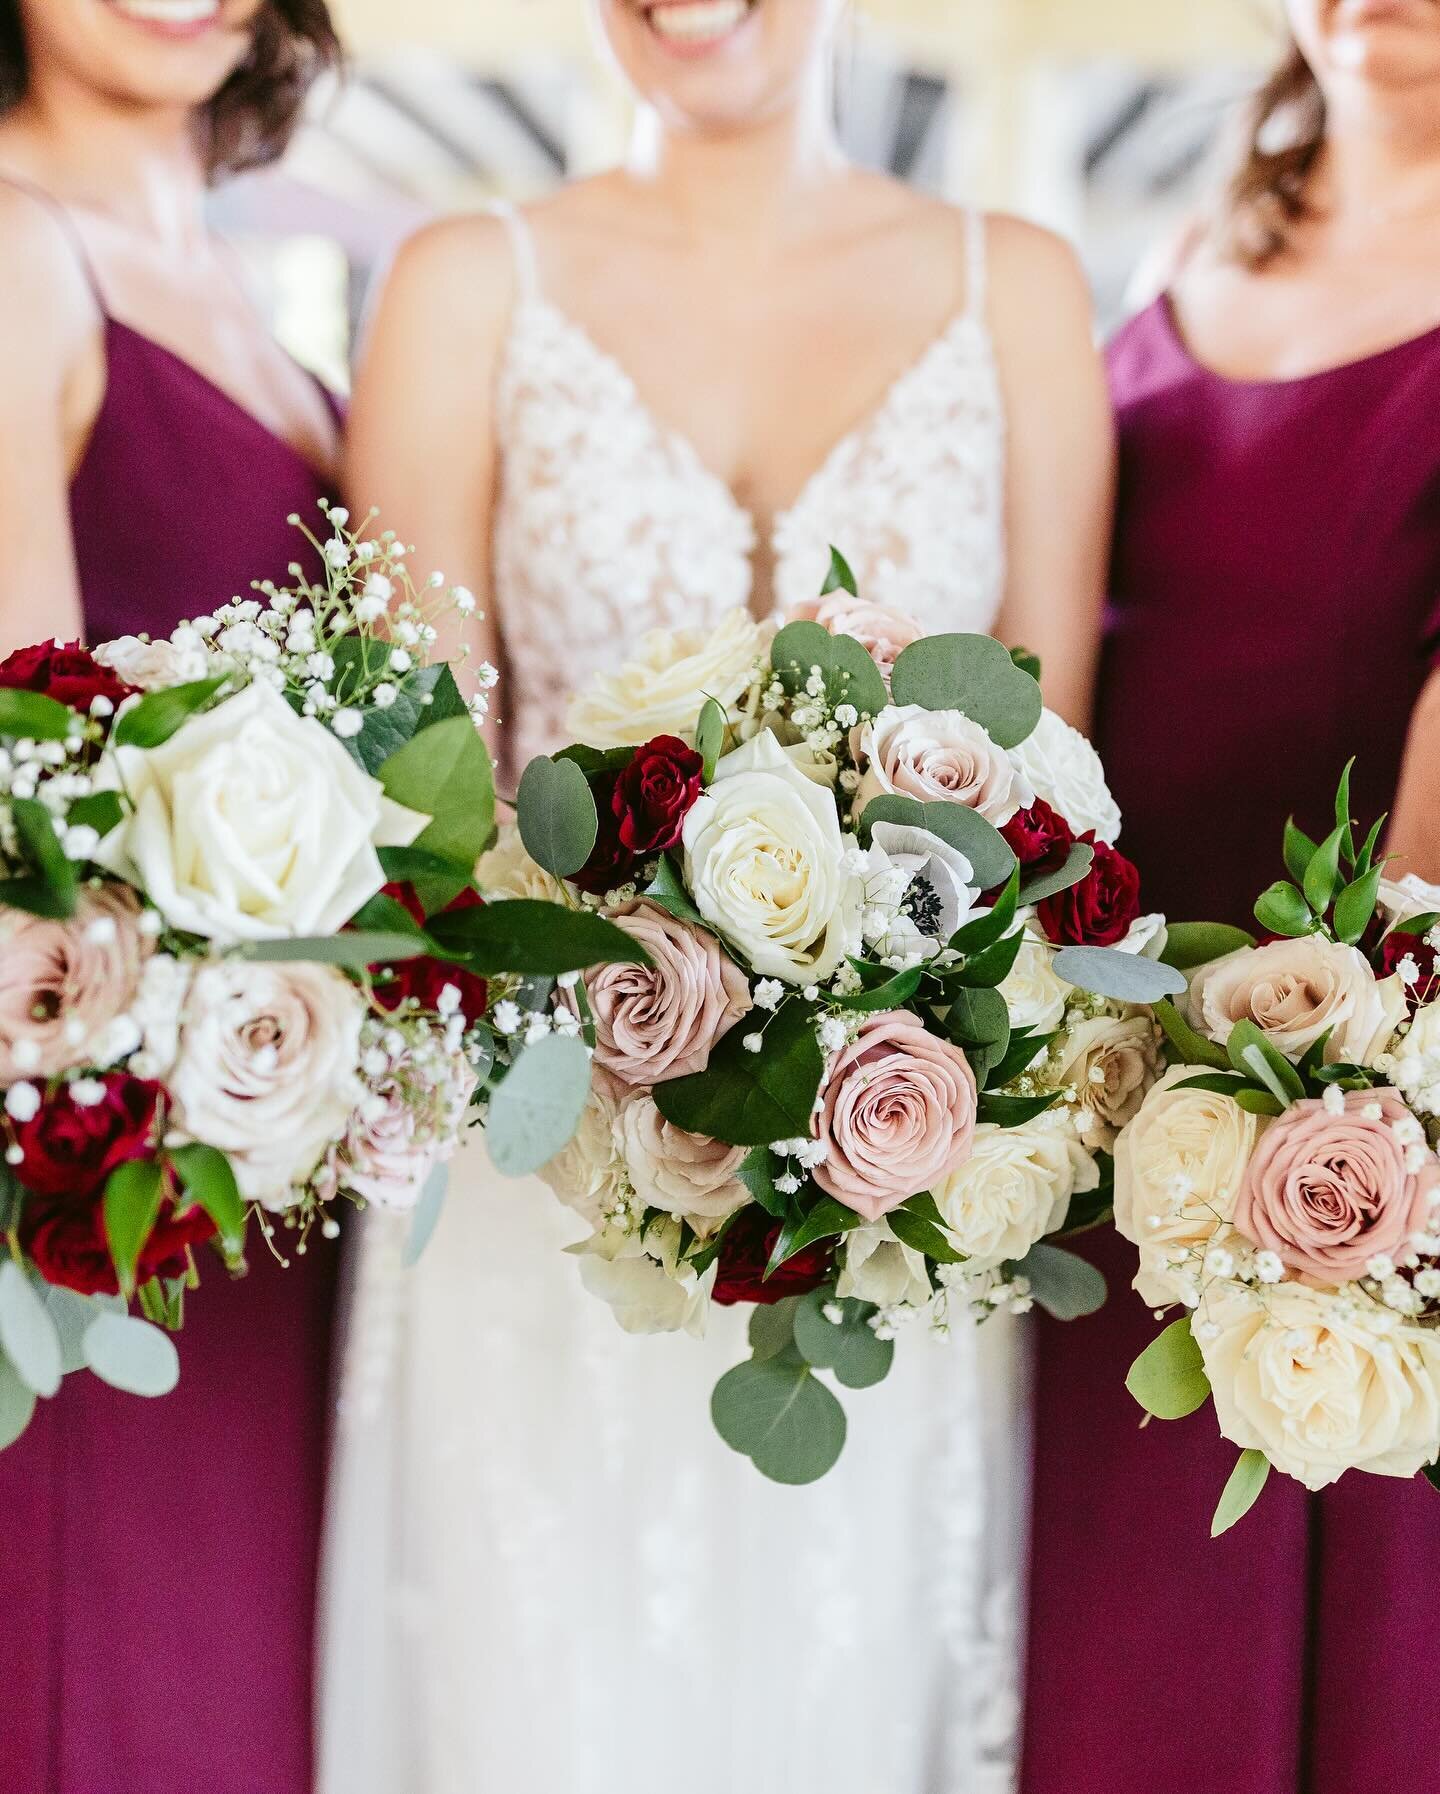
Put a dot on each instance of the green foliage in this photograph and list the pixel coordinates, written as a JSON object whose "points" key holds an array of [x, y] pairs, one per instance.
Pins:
{"points": [[131, 1206], [750, 1099], [962, 828], [1191, 944], [1049, 884], [17, 1403], [426, 1216], [827, 1220], [710, 737], [1247, 1479], [132, 1355], [533, 938], [1125, 977], [1283, 910], [161, 714], [444, 773], [667, 890], [917, 1224], [974, 937], [384, 732], [1254, 1055], [757, 1173], [1168, 1378], [772, 1327], [894, 993], [535, 1111], [1065, 1286], [1355, 906], [436, 880], [559, 823], [102, 811], [354, 951], [974, 674], [1024, 1049], [840, 578], [31, 716], [774, 1412], [848, 1347], [207, 1177], [1026, 661], [850, 674], [1322, 881], [51, 891], [1186, 1045], [28, 1333], [1014, 1111], [992, 967]]}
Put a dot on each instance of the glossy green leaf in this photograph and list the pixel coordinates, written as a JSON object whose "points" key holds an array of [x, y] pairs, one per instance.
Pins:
{"points": [[559, 823], [436, 880], [751, 1099], [667, 890], [161, 714], [921, 1234], [1186, 1045], [978, 1018], [132, 1198], [535, 1111], [987, 970], [973, 674], [1192, 944], [1355, 906], [102, 811], [1299, 851], [710, 737], [1344, 821], [445, 773], [840, 578], [533, 939], [1322, 881], [1283, 910], [55, 883], [31, 716], [207, 1177], [1254, 1055], [757, 1173], [828, 1220], [894, 993], [1168, 1378], [1014, 1111], [1247, 1479], [775, 1412]]}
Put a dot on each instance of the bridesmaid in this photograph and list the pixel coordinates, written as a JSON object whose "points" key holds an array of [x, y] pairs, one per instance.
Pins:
{"points": [[157, 1584], [1276, 607]]}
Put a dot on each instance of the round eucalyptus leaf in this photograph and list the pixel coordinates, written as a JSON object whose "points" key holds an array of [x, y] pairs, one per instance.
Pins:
{"points": [[991, 857], [1168, 1378], [973, 674], [130, 1354], [1065, 1286], [17, 1404], [850, 674], [849, 1346], [426, 1216], [534, 1113], [772, 1327], [559, 823], [27, 1332], [1124, 977], [72, 1314], [776, 1413]]}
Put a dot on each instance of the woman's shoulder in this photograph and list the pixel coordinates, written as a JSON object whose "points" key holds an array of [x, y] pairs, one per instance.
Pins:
{"points": [[47, 304]]}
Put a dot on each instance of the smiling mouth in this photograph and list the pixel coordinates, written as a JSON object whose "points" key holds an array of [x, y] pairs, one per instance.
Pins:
{"points": [[177, 17], [697, 25]]}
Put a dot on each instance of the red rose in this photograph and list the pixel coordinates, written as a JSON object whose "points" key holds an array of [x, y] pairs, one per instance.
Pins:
{"points": [[68, 1149], [1386, 958], [611, 863], [1040, 838], [71, 675], [424, 979], [66, 1242], [654, 794], [745, 1252], [1098, 911]]}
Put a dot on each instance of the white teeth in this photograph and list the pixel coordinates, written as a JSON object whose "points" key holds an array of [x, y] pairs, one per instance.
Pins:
{"points": [[168, 12], [699, 21]]}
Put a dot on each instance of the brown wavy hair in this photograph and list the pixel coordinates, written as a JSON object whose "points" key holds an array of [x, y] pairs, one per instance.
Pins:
{"points": [[1268, 193], [254, 115]]}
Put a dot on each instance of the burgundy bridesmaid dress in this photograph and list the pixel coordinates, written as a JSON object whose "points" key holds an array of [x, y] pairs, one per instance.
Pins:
{"points": [[157, 1575], [1275, 607]]}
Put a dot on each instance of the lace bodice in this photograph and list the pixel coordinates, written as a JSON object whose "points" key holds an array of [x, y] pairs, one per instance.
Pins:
{"points": [[609, 524]]}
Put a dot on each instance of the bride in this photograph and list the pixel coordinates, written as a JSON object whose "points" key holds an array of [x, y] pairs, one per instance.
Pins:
{"points": [[657, 396]]}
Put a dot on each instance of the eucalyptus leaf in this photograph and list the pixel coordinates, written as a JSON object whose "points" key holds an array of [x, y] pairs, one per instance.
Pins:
{"points": [[973, 674], [1065, 1286], [989, 853], [27, 1332], [775, 1412], [848, 1346], [1247, 1479], [72, 1314], [17, 1403], [772, 1327], [425, 1217], [850, 673], [751, 1099], [1124, 977], [559, 823], [161, 714], [1050, 884], [536, 1109], [1192, 944], [1168, 1378], [31, 716], [132, 1355], [356, 950]]}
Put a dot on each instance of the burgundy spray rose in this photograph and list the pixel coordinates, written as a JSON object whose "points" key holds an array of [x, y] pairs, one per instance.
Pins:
{"points": [[745, 1252], [642, 810], [1099, 911], [69, 674], [425, 979], [69, 1148]]}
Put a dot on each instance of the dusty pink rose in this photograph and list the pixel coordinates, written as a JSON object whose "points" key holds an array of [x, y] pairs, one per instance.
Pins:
{"points": [[884, 634], [897, 1115], [937, 756], [64, 985], [661, 1021], [685, 1174], [1328, 1192], [398, 1135]]}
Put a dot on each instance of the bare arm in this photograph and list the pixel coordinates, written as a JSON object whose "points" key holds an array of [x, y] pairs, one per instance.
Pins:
{"points": [[47, 322], [1061, 474], [421, 445], [1415, 827]]}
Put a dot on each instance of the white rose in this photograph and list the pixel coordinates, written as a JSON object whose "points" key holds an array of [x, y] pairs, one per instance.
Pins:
{"points": [[590, 1175], [1035, 997], [153, 666], [1296, 991], [252, 823], [687, 1175], [1320, 1383], [1178, 1170], [663, 690], [1014, 1189], [645, 1297], [1416, 1068], [878, 1268], [267, 1070], [937, 756], [1146, 937], [1405, 899], [1066, 772], [508, 871], [1111, 1062], [766, 864]]}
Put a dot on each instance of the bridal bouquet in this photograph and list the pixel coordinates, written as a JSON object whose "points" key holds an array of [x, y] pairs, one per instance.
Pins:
{"points": [[891, 1011], [1281, 1180], [243, 966]]}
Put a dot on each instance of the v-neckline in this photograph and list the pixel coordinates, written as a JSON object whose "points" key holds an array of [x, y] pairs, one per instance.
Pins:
{"points": [[680, 442], [237, 407]]}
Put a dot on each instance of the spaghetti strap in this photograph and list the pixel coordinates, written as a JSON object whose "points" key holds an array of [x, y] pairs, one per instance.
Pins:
{"points": [[67, 228], [522, 244], [977, 263]]}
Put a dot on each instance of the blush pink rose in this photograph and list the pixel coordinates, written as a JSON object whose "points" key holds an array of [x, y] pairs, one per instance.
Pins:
{"points": [[897, 1115], [661, 1021], [64, 985], [883, 634], [1329, 1192]]}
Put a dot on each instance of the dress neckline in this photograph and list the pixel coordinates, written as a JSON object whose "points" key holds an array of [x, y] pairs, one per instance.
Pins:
{"points": [[1170, 319], [680, 443]]}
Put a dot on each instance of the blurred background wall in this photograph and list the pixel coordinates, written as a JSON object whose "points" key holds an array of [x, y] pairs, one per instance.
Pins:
{"points": [[1096, 117]]}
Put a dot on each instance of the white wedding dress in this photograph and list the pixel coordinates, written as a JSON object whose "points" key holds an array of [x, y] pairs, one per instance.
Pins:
{"points": [[545, 1572]]}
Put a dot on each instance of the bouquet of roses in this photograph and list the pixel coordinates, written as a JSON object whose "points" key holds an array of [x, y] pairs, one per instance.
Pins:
{"points": [[1281, 1180], [243, 966], [890, 1013]]}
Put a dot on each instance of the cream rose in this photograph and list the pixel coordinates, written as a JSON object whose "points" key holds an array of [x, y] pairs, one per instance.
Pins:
{"points": [[1111, 1062], [936, 756], [252, 823], [1416, 1069], [1014, 1189], [662, 691], [878, 1268], [267, 1070], [591, 1175], [1296, 990], [767, 865], [1035, 997], [643, 1294], [507, 871], [151, 665], [1066, 772], [1179, 1167], [1320, 1384], [65, 987], [687, 1175]]}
